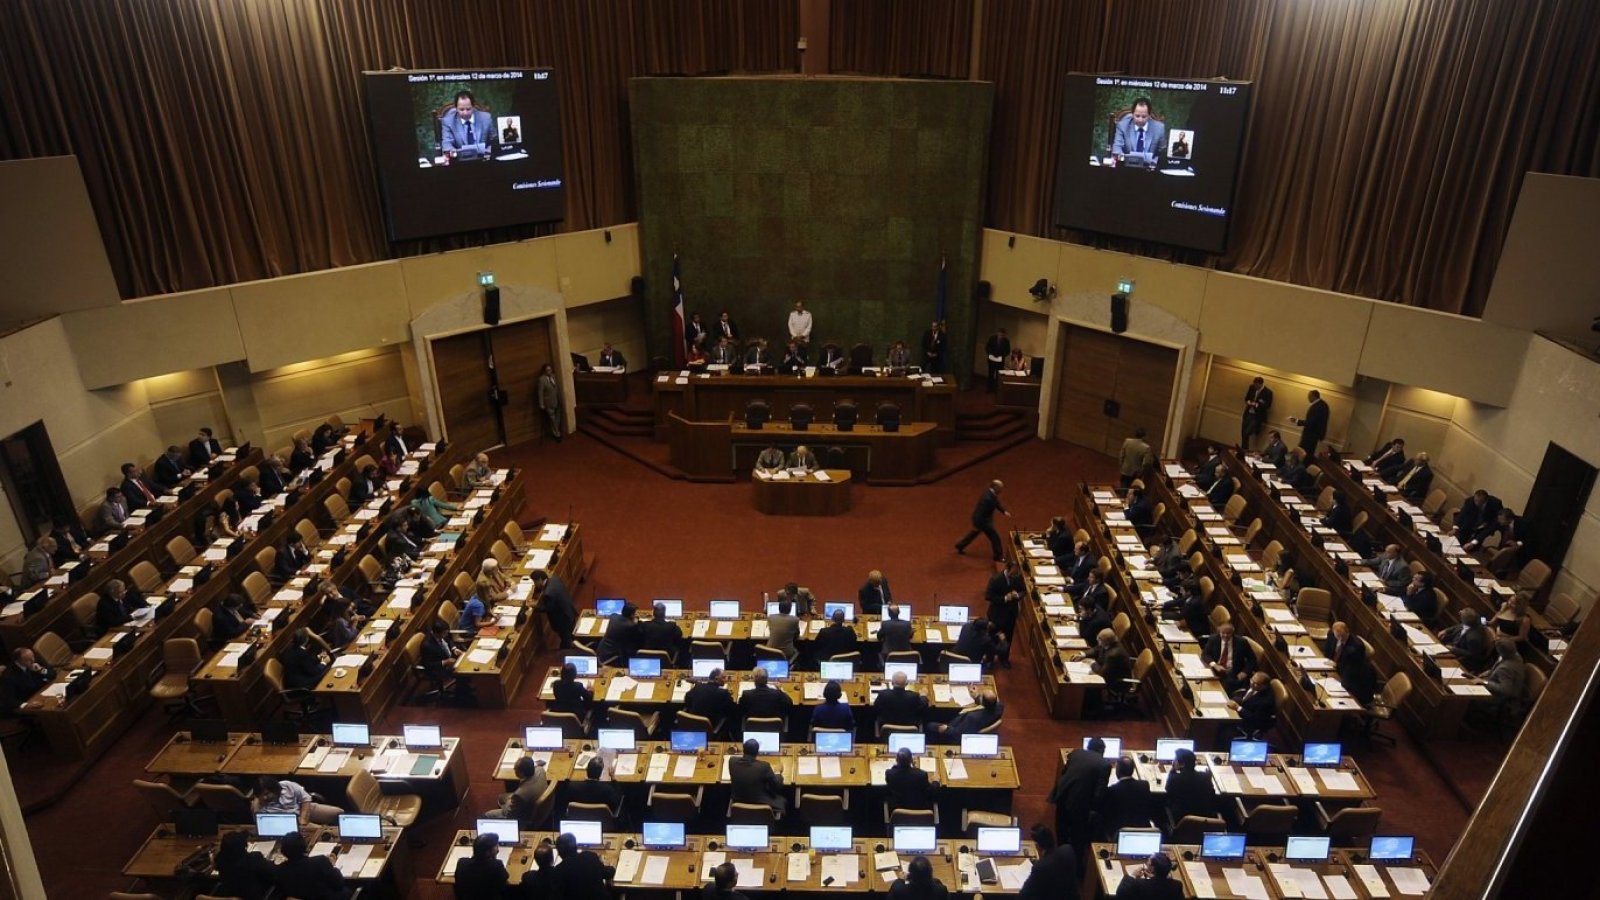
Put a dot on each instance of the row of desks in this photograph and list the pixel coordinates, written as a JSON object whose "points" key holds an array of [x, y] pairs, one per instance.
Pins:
{"points": [[804, 688], [1263, 875], [1282, 778], [385, 865], [712, 397], [927, 632]]}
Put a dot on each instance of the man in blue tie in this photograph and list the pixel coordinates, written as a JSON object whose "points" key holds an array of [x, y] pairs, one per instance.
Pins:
{"points": [[1140, 137], [466, 131]]}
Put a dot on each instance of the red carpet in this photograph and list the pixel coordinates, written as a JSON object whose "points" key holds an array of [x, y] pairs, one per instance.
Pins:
{"points": [[652, 536]]}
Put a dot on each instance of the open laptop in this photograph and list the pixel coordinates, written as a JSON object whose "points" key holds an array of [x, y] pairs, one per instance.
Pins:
{"points": [[965, 673], [1113, 746], [745, 837], [847, 607], [423, 737], [280, 733], [777, 669], [980, 745], [832, 838], [644, 667], [702, 668], [208, 731], [999, 841], [537, 737], [361, 829], [586, 666], [768, 741], [916, 742], [609, 606], [953, 615], [1321, 754], [275, 825], [915, 839], [1138, 843], [194, 822], [1307, 849], [1167, 748], [351, 734], [724, 609], [674, 608], [890, 668], [1391, 848], [834, 742], [1221, 845], [1247, 753], [664, 835], [504, 831], [688, 741], [587, 833], [837, 671], [616, 739]]}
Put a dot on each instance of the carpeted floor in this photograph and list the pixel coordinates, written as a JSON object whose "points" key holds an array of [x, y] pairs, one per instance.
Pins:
{"points": [[651, 536]]}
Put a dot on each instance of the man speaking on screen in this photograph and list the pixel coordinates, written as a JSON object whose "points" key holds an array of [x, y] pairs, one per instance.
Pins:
{"points": [[1139, 136], [466, 131]]}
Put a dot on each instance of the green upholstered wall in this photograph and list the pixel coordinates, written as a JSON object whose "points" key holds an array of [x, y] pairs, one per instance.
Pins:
{"points": [[843, 192]]}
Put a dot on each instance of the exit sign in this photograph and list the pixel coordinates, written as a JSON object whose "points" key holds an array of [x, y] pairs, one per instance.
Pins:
{"points": [[1125, 286], [486, 278]]}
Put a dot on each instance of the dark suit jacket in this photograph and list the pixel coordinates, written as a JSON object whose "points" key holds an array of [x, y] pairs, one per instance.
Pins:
{"points": [[1256, 711], [997, 346], [1081, 567], [692, 330], [1316, 427], [1090, 626], [1338, 518], [310, 878], [18, 685], [271, 482], [1262, 398], [248, 877], [1125, 804], [571, 696], [135, 497], [1190, 794], [900, 707], [583, 876], [1142, 514], [1354, 670], [614, 358], [988, 505], [435, 653], [905, 890], [833, 640], [289, 563], [301, 460], [1082, 781], [166, 472], [765, 703], [360, 490], [1001, 584], [199, 453], [301, 667], [1424, 602], [557, 605], [608, 793], [1472, 522], [1243, 664], [975, 720], [753, 781], [870, 600], [661, 634], [1421, 480], [1169, 888], [1115, 666], [1054, 875], [108, 614], [908, 787], [621, 640], [895, 634], [481, 879], [713, 701]]}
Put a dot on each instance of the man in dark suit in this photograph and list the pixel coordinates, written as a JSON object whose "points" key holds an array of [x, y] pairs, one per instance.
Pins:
{"points": [[661, 633], [1191, 608], [304, 876], [899, 706], [1125, 804], [1420, 598], [366, 485], [274, 477], [115, 608], [711, 699], [1078, 567], [169, 468], [1054, 873], [1392, 568], [725, 327], [622, 637], [1389, 459], [203, 449], [582, 875], [935, 341], [531, 783], [757, 353], [1470, 641], [1314, 425], [23, 678], [611, 357], [832, 360], [594, 788], [1475, 519], [1093, 590], [1415, 478], [138, 492], [1257, 403], [983, 521], [995, 351], [1276, 450], [396, 442], [972, 720], [1077, 791], [761, 701], [1141, 511], [291, 559], [1093, 617], [1257, 706], [439, 655], [556, 603], [1293, 470], [568, 694], [482, 876], [907, 785], [1338, 517], [694, 331], [982, 641], [1229, 657], [303, 664], [836, 637], [1151, 881], [874, 595], [1004, 595], [1189, 791], [1350, 662], [895, 633], [753, 780], [1111, 661]]}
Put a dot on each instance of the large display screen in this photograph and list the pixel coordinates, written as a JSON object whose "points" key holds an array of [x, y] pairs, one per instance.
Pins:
{"points": [[1151, 158], [463, 150]]}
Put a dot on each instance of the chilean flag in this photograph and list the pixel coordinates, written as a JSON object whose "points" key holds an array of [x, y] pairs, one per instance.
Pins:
{"points": [[677, 313]]}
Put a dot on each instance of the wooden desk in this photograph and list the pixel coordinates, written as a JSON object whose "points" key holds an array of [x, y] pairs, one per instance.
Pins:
{"points": [[1282, 779], [388, 869], [1261, 864], [1020, 391], [884, 457], [600, 388], [806, 495], [713, 398], [184, 757]]}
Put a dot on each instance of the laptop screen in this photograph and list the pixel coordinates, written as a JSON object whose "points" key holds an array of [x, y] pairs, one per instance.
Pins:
{"points": [[423, 737], [768, 741], [838, 671], [980, 745], [889, 670], [953, 615], [504, 830], [915, 839], [1251, 753], [663, 834], [724, 609], [609, 606], [276, 825], [536, 737], [999, 840], [674, 608], [746, 837], [208, 731], [777, 669], [358, 827], [616, 738], [966, 673], [644, 667], [773, 608], [916, 742], [1113, 746], [1321, 754], [688, 741], [834, 742], [1307, 848], [848, 608], [1393, 847], [586, 666], [588, 834], [352, 734], [831, 837], [1137, 843], [1221, 845], [702, 668], [1167, 748]]}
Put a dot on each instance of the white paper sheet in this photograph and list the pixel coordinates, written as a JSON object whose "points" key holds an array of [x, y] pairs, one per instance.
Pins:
{"points": [[799, 867], [1200, 877], [842, 868], [1409, 879]]}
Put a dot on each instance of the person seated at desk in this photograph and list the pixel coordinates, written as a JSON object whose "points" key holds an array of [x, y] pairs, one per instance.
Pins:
{"points": [[1470, 641], [695, 356], [805, 602], [568, 694], [723, 354], [982, 641], [1389, 458], [1093, 617], [1391, 567], [1017, 361], [1111, 661], [783, 629], [1077, 567], [71, 542], [492, 585], [1419, 596], [835, 638], [754, 781], [1229, 658], [1189, 791], [899, 706], [532, 779], [661, 633], [832, 358], [280, 795], [116, 607], [436, 511], [1350, 662], [723, 884], [301, 458], [555, 601], [1415, 478], [794, 360], [390, 461], [1126, 803], [622, 636], [802, 459], [1257, 706], [1138, 137], [757, 354], [1190, 607], [439, 656], [1151, 881], [1053, 871], [136, 489], [582, 875], [833, 712], [39, 564], [972, 720], [711, 699], [874, 595], [325, 437], [899, 356], [1506, 525], [169, 468], [919, 883], [539, 882], [1093, 589], [1276, 451], [611, 358], [248, 496], [24, 677], [113, 511], [1206, 471], [291, 558], [307, 877], [1338, 517], [1513, 620], [595, 788], [760, 701], [478, 472], [1292, 471], [1141, 512], [343, 624], [242, 873], [1475, 520], [907, 786], [771, 461], [1505, 680], [366, 485], [1058, 538], [894, 634], [303, 663], [232, 618], [482, 876]]}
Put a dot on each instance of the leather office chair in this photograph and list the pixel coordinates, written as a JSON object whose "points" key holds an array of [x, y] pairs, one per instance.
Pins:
{"points": [[888, 416], [1267, 824], [909, 816], [887, 728], [757, 413], [1120, 625], [1251, 531], [420, 676], [903, 656], [543, 809], [860, 358], [1314, 608], [844, 415], [266, 562], [822, 809], [1434, 503], [368, 796], [52, 650], [299, 705], [973, 819], [1186, 542], [852, 657], [760, 723], [1189, 829], [145, 576], [1384, 706], [502, 553], [256, 588], [643, 724], [83, 615], [181, 551], [946, 657], [341, 489], [752, 814], [801, 416], [163, 798], [1234, 508], [204, 626], [1219, 616], [180, 659], [688, 721], [514, 535], [594, 812], [573, 726], [1207, 588], [228, 802], [1127, 695], [1270, 554], [1350, 826], [1561, 610], [663, 805], [308, 532], [769, 652], [707, 650], [336, 506]]}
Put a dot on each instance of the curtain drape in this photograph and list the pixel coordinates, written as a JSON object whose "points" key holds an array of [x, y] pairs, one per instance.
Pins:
{"points": [[900, 37]]}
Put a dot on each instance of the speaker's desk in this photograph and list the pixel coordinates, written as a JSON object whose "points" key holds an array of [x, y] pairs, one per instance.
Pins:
{"points": [[714, 397], [825, 492]]}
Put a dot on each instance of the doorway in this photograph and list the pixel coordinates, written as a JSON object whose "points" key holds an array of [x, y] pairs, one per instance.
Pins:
{"points": [[505, 360], [1560, 493], [33, 481], [1110, 385]]}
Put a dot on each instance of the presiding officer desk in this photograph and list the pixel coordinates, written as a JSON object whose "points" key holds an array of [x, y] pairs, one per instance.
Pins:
{"points": [[824, 492], [724, 449], [1263, 873], [738, 636], [787, 864], [714, 397], [382, 868]]}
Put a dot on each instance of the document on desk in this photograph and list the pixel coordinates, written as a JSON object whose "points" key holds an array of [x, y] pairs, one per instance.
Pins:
{"points": [[831, 769], [1111, 874], [1339, 887], [99, 653], [456, 855], [680, 691], [1409, 879], [955, 769], [759, 630], [655, 870], [1200, 877], [710, 860], [1372, 880], [334, 761], [1310, 885], [725, 628], [1227, 780], [628, 864], [481, 657], [625, 766], [749, 875], [1210, 698], [878, 771], [962, 696], [353, 860], [1470, 690], [400, 598], [1303, 782], [842, 868], [1288, 880], [812, 690], [552, 534], [1012, 876], [941, 692], [1263, 780], [540, 558], [684, 767], [701, 627], [619, 687], [807, 767], [313, 757], [1337, 780], [1243, 884], [644, 690], [799, 867], [657, 770]]}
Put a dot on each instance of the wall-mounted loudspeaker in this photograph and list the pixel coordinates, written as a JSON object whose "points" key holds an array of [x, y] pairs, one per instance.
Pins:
{"points": [[491, 305], [1119, 312]]}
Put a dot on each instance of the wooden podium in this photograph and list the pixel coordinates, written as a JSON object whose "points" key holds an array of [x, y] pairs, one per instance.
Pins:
{"points": [[810, 495]]}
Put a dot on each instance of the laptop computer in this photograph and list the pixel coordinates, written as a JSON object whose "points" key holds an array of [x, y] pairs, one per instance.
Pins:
{"points": [[953, 615], [889, 670], [768, 742], [537, 737], [1113, 746], [702, 668], [276, 824], [194, 822], [609, 606], [587, 833], [644, 667], [280, 733], [664, 835], [777, 669], [745, 837], [724, 609], [504, 831], [916, 742], [1247, 753], [965, 673], [674, 608], [208, 731], [1221, 845], [832, 838], [1000, 841], [1321, 754], [1138, 843], [422, 737], [915, 839], [834, 742], [980, 745], [360, 828], [586, 666], [1167, 748], [848, 608], [616, 738], [837, 671], [1307, 848], [351, 734], [688, 741], [1391, 848]]}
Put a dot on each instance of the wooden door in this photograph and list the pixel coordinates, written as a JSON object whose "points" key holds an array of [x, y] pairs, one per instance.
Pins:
{"points": [[1134, 375], [461, 380], [521, 349]]}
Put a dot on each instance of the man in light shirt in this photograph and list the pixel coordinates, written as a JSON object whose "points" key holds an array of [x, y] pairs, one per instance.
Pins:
{"points": [[800, 324]]}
